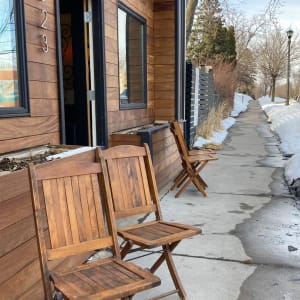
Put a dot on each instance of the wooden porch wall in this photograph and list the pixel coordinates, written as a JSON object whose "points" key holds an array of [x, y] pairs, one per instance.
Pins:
{"points": [[122, 119], [164, 59], [42, 126]]}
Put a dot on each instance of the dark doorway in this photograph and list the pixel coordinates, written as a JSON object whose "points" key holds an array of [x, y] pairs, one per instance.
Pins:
{"points": [[82, 72], [74, 72]]}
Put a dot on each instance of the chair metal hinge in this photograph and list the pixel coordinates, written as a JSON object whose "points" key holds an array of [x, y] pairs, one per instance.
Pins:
{"points": [[88, 16]]}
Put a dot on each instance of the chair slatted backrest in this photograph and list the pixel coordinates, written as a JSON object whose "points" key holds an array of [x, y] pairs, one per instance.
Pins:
{"points": [[179, 139], [71, 197], [131, 179]]}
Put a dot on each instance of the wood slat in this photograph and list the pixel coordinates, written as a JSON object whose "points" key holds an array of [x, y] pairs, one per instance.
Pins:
{"points": [[36, 54], [59, 170], [160, 156], [10, 129], [11, 262], [16, 234], [29, 141], [42, 89], [32, 37], [126, 139], [98, 207], [94, 225], [114, 181], [135, 211], [72, 210], [85, 194], [110, 279], [14, 210], [145, 181], [63, 207], [16, 286], [143, 196], [53, 213], [127, 151], [79, 248], [37, 107], [42, 72], [35, 291], [35, 17], [78, 209], [123, 172]]}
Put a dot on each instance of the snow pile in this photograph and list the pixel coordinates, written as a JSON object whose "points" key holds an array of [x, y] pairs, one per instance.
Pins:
{"points": [[240, 104], [292, 168], [285, 121], [218, 136]]}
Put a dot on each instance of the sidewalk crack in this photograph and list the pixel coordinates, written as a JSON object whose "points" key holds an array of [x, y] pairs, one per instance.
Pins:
{"points": [[150, 252]]}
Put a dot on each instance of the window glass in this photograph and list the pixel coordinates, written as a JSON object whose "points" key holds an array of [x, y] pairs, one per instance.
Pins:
{"points": [[132, 59], [11, 99]]}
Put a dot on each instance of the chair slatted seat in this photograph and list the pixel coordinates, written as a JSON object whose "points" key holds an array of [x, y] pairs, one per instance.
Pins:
{"points": [[129, 176], [192, 161], [68, 201]]}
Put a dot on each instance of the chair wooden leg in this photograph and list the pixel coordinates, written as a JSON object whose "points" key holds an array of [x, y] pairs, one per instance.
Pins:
{"points": [[202, 181], [199, 186], [126, 248], [175, 277], [162, 258], [183, 179], [178, 179], [167, 256], [183, 188]]}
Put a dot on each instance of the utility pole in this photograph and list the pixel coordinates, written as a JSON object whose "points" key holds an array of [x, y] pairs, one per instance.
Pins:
{"points": [[289, 35]]}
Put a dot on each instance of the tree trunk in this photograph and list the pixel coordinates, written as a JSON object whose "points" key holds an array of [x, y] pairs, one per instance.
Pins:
{"points": [[273, 88], [190, 13], [265, 89]]}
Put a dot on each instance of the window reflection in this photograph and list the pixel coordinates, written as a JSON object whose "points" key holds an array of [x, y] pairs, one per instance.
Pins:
{"points": [[132, 64], [9, 89]]}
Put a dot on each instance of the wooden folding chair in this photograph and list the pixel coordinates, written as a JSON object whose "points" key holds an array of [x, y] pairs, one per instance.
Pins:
{"points": [[67, 200], [130, 178], [193, 162]]}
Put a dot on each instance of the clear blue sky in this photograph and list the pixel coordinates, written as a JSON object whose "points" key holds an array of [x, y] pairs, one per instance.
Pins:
{"points": [[289, 12]]}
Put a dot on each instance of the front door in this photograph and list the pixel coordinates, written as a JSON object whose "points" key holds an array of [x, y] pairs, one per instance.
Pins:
{"points": [[78, 72]]}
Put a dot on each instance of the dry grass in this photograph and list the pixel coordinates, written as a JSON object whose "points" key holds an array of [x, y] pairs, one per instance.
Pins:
{"points": [[213, 146], [212, 123], [225, 81]]}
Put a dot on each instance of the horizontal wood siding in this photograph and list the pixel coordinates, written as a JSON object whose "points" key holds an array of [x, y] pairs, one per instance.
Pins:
{"points": [[123, 119], [20, 274], [42, 126], [164, 59], [166, 158], [126, 139]]}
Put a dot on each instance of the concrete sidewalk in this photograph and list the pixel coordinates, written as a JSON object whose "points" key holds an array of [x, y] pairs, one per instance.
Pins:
{"points": [[250, 224]]}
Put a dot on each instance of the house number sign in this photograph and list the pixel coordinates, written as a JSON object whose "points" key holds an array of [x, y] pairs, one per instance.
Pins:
{"points": [[43, 26]]}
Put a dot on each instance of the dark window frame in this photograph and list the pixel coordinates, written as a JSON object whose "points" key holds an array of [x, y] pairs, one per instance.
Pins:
{"points": [[143, 22], [23, 109]]}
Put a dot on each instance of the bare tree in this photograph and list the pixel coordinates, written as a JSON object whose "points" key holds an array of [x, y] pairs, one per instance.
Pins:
{"points": [[272, 56], [247, 30]]}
